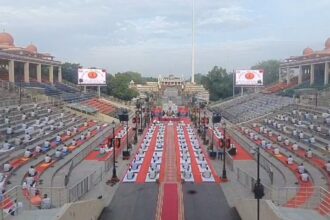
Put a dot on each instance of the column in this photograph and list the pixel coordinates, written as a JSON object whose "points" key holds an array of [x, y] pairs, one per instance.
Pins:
{"points": [[59, 74], [300, 74], [51, 74], [27, 72], [287, 75], [11, 70], [99, 91], [39, 72], [85, 89], [280, 75], [326, 73], [312, 76]]}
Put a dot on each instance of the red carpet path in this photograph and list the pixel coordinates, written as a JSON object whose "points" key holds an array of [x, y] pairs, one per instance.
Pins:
{"points": [[170, 210], [169, 201]]}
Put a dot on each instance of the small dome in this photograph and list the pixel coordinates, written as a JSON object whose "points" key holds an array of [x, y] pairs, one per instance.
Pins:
{"points": [[6, 39], [308, 51], [32, 48], [327, 43]]}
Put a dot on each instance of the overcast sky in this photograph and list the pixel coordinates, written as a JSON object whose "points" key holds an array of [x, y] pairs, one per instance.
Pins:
{"points": [[154, 36]]}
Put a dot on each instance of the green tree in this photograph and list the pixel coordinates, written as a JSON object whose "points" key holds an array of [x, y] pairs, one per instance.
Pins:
{"points": [[218, 82], [270, 68], [70, 72]]}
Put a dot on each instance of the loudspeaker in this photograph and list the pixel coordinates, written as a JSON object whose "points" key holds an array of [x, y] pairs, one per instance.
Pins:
{"points": [[123, 117], [126, 154], [216, 118]]}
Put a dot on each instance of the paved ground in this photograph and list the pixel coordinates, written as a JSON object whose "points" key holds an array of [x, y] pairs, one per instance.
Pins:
{"points": [[206, 201], [133, 201]]}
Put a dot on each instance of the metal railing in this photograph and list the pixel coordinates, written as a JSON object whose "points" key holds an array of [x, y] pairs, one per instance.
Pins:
{"points": [[15, 201], [249, 182], [229, 162], [83, 186], [316, 198]]}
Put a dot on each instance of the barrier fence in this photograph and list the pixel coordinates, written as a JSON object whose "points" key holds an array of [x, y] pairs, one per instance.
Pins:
{"points": [[14, 201], [229, 162], [315, 198]]}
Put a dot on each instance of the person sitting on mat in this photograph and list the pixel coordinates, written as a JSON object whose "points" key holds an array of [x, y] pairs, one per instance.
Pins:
{"points": [[37, 149], [73, 143], [295, 146], [304, 176], [101, 149], [203, 163], [7, 167], [135, 165], [290, 160], [187, 174], [152, 174], [48, 159], [206, 173], [58, 154], [58, 138], [32, 171], [130, 174], [27, 153], [301, 168], [309, 153], [65, 150]]}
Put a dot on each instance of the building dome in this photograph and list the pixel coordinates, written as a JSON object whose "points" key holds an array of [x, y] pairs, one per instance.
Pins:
{"points": [[327, 43], [6, 39], [308, 51], [32, 48]]}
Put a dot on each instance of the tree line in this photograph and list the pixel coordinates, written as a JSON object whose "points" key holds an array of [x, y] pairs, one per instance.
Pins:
{"points": [[218, 81]]}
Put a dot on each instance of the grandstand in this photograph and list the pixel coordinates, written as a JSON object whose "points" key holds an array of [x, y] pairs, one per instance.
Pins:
{"points": [[64, 155]]}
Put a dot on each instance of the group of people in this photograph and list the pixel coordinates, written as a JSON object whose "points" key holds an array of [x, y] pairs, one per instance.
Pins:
{"points": [[139, 157]]}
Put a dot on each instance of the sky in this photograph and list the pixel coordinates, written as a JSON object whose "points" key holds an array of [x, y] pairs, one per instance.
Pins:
{"points": [[154, 36]]}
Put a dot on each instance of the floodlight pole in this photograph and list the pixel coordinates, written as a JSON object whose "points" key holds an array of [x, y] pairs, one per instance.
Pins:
{"points": [[224, 172], [114, 178]]}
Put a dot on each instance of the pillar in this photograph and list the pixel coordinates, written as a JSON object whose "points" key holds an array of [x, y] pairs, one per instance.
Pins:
{"points": [[312, 76], [11, 70], [280, 75], [287, 75], [326, 73], [27, 72], [85, 89], [51, 74], [59, 74], [39, 73], [99, 91], [300, 74]]}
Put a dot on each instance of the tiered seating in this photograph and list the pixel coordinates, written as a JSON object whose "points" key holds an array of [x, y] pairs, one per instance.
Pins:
{"points": [[304, 179], [252, 108], [101, 106], [280, 87], [59, 90]]}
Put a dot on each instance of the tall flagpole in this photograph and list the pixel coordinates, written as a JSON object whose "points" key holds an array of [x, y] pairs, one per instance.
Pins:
{"points": [[193, 44]]}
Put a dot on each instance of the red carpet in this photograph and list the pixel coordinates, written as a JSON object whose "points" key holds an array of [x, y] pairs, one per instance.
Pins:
{"points": [[194, 165], [170, 209], [147, 159]]}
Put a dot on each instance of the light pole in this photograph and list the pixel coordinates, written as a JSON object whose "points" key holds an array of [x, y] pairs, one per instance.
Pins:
{"points": [[114, 178], [224, 172], [127, 135], [258, 187], [136, 126]]}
